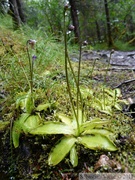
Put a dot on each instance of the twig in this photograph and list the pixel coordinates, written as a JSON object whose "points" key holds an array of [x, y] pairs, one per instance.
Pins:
{"points": [[125, 82], [117, 69]]}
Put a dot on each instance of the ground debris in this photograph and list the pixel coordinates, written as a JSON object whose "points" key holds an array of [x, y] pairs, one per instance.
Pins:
{"points": [[106, 163]]}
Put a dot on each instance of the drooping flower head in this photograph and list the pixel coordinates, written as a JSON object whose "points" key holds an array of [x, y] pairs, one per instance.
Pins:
{"points": [[66, 6], [85, 43], [32, 43], [71, 27]]}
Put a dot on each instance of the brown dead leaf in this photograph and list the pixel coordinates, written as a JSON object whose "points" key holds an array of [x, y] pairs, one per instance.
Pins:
{"points": [[104, 161]]}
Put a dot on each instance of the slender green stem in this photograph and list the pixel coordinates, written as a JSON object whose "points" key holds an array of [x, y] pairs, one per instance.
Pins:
{"points": [[32, 64], [67, 75], [25, 75], [91, 71], [104, 97], [105, 77], [31, 69], [78, 82], [108, 66]]}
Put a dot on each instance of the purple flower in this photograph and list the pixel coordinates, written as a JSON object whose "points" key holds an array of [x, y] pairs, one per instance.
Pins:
{"points": [[34, 57]]}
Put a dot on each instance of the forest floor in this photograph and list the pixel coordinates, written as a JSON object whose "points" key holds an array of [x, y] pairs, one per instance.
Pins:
{"points": [[98, 69]]}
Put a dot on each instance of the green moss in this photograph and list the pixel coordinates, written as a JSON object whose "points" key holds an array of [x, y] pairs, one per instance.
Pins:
{"points": [[3, 125]]}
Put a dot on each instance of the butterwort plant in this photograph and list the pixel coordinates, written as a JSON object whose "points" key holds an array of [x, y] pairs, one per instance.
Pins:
{"points": [[29, 116], [92, 134], [76, 129]]}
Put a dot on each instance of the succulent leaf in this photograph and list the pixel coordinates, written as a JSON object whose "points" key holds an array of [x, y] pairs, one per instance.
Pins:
{"points": [[59, 152], [73, 156], [97, 142], [53, 128]]}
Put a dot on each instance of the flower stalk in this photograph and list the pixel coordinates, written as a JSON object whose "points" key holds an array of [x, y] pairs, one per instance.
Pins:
{"points": [[30, 43], [67, 60]]}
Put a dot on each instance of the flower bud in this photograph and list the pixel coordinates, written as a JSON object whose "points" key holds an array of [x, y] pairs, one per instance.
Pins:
{"points": [[85, 43], [71, 27], [32, 43], [66, 6]]}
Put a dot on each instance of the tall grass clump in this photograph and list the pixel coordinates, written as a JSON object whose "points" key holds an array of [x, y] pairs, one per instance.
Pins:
{"points": [[6, 21]]}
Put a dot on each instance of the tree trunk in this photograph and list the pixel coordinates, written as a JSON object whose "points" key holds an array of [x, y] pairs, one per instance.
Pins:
{"points": [[75, 20], [98, 31], [21, 10], [17, 13], [109, 34]]}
